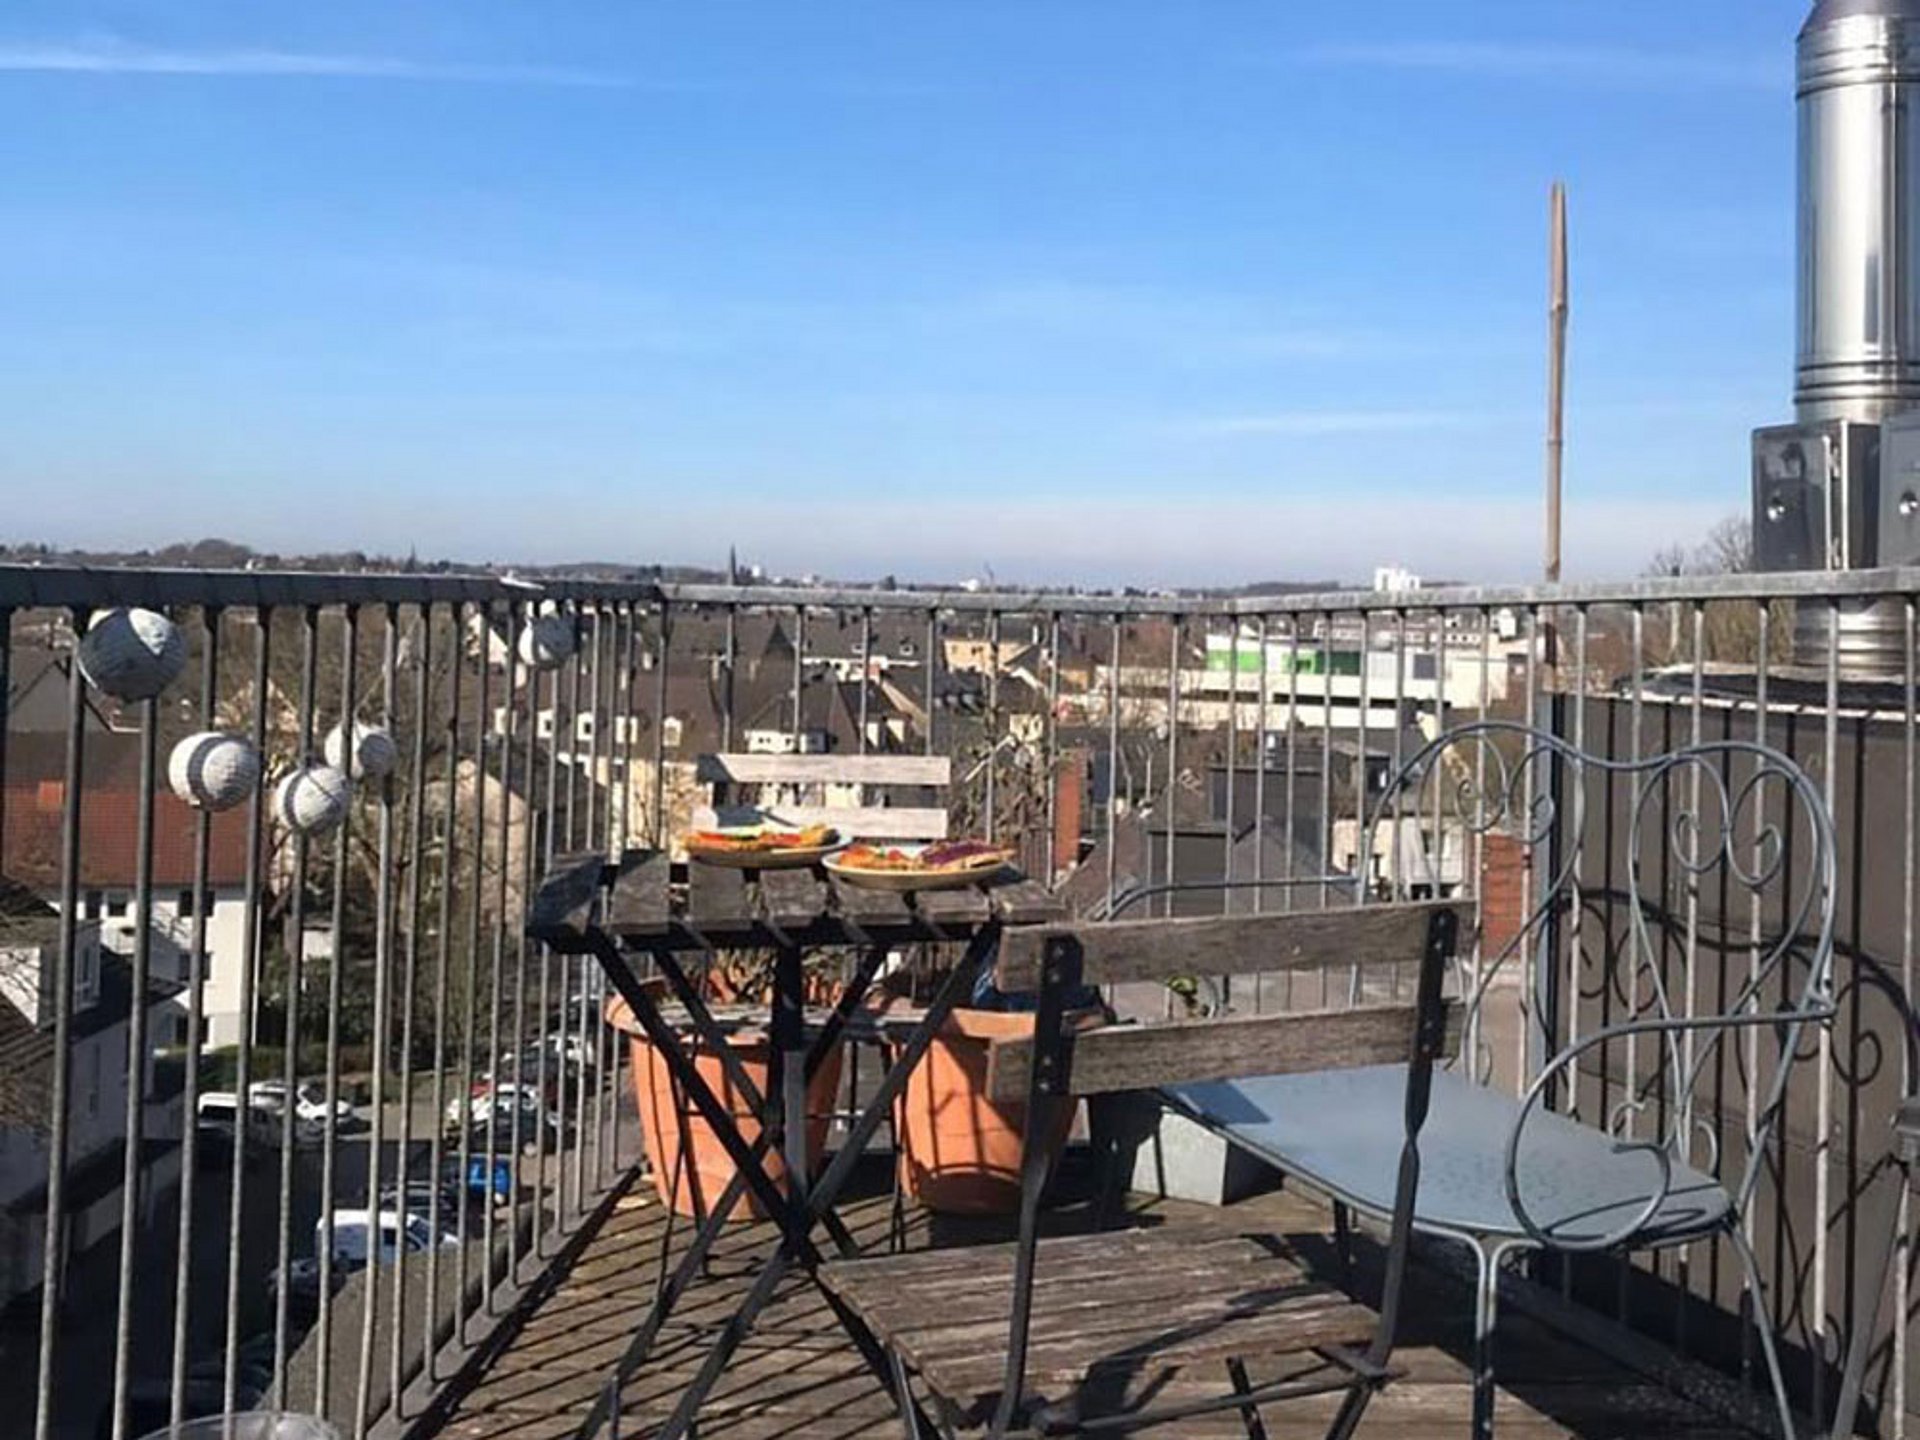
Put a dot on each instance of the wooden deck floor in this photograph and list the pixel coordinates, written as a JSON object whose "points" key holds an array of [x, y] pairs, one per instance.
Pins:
{"points": [[799, 1379]]}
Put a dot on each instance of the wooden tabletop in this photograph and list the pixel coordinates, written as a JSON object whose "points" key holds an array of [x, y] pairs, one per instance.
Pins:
{"points": [[646, 901]]}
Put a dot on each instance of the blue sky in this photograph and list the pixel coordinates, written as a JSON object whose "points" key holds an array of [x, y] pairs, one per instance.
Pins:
{"points": [[1089, 290]]}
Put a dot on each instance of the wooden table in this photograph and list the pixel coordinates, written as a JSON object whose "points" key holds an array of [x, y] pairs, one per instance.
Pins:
{"points": [[644, 906]]}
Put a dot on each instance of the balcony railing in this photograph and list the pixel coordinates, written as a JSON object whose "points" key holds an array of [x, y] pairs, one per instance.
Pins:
{"points": [[364, 993]]}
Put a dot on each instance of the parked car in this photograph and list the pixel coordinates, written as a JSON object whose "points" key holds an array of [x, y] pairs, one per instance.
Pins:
{"points": [[418, 1196], [216, 1125], [400, 1233], [491, 1103], [310, 1108]]}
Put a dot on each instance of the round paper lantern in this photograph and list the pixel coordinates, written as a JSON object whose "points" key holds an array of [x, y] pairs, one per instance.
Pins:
{"points": [[213, 771], [374, 753], [132, 654], [548, 641], [313, 799]]}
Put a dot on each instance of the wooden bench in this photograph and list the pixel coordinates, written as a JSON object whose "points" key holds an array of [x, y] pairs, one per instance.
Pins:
{"points": [[1058, 1336], [896, 797]]}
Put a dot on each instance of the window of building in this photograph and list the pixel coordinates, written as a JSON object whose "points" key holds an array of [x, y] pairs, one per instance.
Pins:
{"points": [[185, 906], [116, 906], [93, 904], [670, 732]]}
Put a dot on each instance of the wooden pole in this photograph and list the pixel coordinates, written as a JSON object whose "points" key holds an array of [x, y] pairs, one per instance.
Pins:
{"points": [[1556, 375]]}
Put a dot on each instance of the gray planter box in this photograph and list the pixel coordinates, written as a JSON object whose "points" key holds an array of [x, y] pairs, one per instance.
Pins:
{"points": [[1176, 1159]]}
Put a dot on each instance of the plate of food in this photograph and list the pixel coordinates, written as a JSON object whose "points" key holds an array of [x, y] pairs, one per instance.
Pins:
{"points": [[763, 847], [943, 865]]}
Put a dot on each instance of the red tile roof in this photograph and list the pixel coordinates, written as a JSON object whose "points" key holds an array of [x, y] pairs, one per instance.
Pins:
{"points": [[35, 795]]}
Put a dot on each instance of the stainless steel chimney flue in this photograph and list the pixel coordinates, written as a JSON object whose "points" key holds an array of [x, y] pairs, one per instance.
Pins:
{"points": [[1859, 189], [1857, 372]]}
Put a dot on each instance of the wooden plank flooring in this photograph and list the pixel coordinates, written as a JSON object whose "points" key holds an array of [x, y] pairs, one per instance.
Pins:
{"points": [[797, 1378]]}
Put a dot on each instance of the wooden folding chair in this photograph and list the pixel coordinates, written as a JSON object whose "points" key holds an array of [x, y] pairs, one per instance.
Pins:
{"points": [[1074, 1335]]}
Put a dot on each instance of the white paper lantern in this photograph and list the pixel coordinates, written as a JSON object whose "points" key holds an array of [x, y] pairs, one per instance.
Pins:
{"points": [[213, 771], [313, 799], [374, 753], [548, 641], [132, 654]]}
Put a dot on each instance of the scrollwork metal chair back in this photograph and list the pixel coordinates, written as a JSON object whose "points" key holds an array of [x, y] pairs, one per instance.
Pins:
{"points": [[1714, 837]]}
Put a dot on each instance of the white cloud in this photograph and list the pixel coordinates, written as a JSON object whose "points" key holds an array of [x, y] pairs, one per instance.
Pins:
{"points": [[1582, 64], [114, 58]]}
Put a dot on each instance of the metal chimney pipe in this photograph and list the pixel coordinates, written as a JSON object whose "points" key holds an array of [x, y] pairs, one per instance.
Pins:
{"points": [[1858, 321], [1859, 182]]}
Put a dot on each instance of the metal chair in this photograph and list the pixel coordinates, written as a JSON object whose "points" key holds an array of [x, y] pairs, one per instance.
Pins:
{"points": [[1719, 930]]}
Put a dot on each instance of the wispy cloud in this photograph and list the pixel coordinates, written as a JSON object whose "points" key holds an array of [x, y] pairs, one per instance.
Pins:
{"points": [[1596, 65], [117, 58], [1307, 423]]}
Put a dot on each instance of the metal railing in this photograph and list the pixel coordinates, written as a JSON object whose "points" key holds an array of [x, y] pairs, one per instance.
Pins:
{"points": [[1118, 743]]}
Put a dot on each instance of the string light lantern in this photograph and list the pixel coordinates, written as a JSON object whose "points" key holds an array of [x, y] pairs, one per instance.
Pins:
{"points": [[132, 654], [546, 643], [213, 770], [312, 800], [374, 753]]}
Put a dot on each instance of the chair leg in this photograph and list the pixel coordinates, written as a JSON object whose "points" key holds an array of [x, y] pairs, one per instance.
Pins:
{"points": [[1763, 1328], [1343, 1243], [1486, 1302], [903, 1392], [1249, 1414]]}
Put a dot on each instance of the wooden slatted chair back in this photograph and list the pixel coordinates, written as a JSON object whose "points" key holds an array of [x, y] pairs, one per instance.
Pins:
{"points": [[1143, 1057]]}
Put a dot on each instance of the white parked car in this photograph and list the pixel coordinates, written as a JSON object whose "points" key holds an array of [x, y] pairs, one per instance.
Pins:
{"points": [[309, 1102], [216, 1121]]}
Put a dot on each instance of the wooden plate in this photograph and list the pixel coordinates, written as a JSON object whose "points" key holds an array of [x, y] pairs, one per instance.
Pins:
{"points": [[764, 859], [901, 882]]}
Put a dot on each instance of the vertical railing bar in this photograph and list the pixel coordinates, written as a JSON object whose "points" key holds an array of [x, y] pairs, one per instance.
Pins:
{"points": [[799, 674], [1113, 759], [608, 1073], [993, 726], [660, 830], [482, 721], [52, 1256], [599, 841], [866, 676], [1053, 747], [516, 933], [557, 738], [546, 955], [1823, 1144], [1262, 738], [611, 845], [1396, 879], [1290, 801], [1170, 818], [295, 982], [502, 929], [1578, 842], [442, 963], [136, 1081], [410, 992], [252, 946], [196, 980], [383, 928], [336, 968], [569, 738], [933, 678], [1909, 906], [1532, 1053], [1233, 745], [732, 655]]}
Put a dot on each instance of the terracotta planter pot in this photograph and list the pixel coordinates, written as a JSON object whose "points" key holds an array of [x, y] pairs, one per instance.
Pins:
{"points": [[705, 1168], [960, 1151]]}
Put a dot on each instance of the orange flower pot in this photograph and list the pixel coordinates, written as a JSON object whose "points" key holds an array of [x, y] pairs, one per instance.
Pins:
{"points": [[692, 1178], [959, 1150]]}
